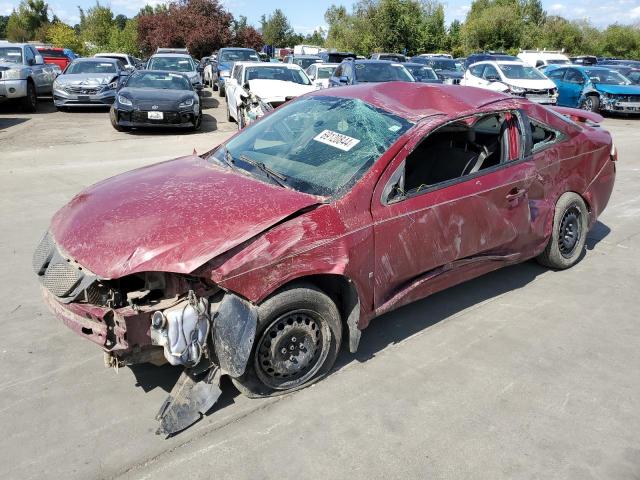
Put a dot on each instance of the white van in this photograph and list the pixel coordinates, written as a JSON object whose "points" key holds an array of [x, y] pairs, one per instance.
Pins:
{"points": [[542, 58]]}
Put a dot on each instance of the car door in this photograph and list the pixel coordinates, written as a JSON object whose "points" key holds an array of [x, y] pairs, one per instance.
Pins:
{"points": [[573, 84], [37, 71], [473, 76], [477, 220], [334, 81], [234, 87], [557, 76]]}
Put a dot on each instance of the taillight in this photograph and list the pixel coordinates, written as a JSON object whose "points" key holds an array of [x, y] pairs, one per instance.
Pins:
{"points": [[614, 152]]}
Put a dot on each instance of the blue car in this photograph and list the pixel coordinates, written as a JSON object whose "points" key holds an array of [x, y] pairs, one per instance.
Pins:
{"points": [[352, 72], [221, 69], [594, 88]]}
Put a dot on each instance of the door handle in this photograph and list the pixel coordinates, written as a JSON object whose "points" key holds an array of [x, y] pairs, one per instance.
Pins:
{"points": [[515, 194]]}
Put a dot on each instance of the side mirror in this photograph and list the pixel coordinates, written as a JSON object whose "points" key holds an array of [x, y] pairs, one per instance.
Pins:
{"points": [[39, 60], [343, 79], [31, 61], [245, 85], [126, 72], [200, 69]]}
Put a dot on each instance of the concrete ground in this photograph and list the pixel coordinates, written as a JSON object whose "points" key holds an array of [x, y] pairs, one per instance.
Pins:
{"points": [[521, 374]]}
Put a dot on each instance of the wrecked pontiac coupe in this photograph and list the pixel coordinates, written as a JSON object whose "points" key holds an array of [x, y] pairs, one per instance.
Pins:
{"points": [[257, 260]]}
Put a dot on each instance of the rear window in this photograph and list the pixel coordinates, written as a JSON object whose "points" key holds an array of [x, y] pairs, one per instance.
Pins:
{"points": [[381, 72], [172, 64]]}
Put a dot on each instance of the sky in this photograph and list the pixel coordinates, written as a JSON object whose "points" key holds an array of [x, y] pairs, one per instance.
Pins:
{"points": [[307, 15]]}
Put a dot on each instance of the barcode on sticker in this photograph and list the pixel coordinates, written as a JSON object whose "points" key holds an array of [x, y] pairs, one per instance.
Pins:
{"points": [[337, 140]]}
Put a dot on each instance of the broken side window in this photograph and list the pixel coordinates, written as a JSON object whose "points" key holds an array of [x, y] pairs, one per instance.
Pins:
{"points": [[460, 149], [542, 136]]}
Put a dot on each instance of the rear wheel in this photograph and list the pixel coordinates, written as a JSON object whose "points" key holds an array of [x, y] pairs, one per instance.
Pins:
{"points": [[570, 223], [220, 91], [297, 341], [30, 102], [591, 103]]}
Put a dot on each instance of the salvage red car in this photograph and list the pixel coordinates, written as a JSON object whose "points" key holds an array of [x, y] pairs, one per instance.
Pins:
{"points": [[260, 258]]}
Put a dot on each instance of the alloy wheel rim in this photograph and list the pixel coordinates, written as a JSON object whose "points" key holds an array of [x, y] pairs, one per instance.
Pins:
{"points": [[292, 349], [570, 230]]}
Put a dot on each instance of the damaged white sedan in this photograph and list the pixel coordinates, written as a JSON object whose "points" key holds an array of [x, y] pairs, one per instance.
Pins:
{"points": [[255, 88]]}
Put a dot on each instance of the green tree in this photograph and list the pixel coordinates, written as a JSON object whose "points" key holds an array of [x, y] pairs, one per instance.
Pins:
{"points": [[64, 36], [621, 41], [3, 25], [493, 25], [125, 40], [120, 21], [28, 22], [276, 29], [315, 38], [96, 26]]}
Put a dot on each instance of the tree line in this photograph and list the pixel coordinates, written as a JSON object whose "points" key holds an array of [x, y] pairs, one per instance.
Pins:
{"points": [[403, 26]]}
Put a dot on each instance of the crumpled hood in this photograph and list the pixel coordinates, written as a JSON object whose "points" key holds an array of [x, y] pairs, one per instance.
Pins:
{"points": [[88, 79], [618, 89], [272, 90], [172, 216]]}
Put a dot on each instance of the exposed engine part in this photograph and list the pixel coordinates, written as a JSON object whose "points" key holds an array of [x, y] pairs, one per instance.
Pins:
{"points": [[188, 401], [182, 330], [252, 108]]}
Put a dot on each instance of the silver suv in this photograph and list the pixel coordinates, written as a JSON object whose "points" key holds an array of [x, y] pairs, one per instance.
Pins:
{"points": [[24, 75]]}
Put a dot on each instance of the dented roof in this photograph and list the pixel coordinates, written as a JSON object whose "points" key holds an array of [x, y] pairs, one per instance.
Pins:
{"points": [[418, 100]]}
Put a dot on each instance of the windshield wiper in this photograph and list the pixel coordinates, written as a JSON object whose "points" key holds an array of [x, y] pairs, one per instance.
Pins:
{"points": [[277, 177]]}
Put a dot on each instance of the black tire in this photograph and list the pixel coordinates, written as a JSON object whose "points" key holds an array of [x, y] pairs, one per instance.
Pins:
{"points": [[119, 128], [569, 234], [307, 328], [198, 123], [30, 102], [214, 85], [221, 91], [591, 103], [229, 117]]}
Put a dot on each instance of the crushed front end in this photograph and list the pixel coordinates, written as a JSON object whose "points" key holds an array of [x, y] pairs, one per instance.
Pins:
{"points": [[153, 317]]}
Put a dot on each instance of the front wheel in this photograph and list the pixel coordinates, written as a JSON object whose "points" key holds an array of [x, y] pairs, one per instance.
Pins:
{"points": [[297, 342], [591, 103], [570, 223]]}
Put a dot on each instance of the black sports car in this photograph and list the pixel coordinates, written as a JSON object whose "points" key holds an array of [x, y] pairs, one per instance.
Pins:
{"points": [[152, 98]]}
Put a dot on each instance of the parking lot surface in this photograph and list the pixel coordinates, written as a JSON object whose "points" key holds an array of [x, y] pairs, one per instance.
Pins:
{"points": [[523, 373]]}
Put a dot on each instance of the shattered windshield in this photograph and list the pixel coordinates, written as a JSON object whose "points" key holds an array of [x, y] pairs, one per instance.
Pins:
{"points": [[320, 144], [12, 55]]}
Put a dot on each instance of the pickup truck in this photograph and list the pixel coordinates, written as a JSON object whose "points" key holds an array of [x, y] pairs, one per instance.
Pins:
{"points": [[23, 74], [54, 56]]}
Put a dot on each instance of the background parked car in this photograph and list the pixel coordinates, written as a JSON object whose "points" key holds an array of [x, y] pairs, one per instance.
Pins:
{"points": [[351, 72], [269, 83], [422, 73], [128, 61], [335, 57], [584, 60], [156, 98], [542, 58], [394, 57], [179, 63], [631, 73], [320, 73], [303, 61], [514, 78], [23, 74], [482, 56], [445, 68], [88, 82], [594, 88], [54, 56], [224, 63]]}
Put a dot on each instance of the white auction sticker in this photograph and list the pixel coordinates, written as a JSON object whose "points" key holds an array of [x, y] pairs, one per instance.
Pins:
{"points": [[337, 140]]}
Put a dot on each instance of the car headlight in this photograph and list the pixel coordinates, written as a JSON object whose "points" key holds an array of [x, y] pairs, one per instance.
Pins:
{"points": [[125, 101], [187, 103], [514, 89], [12, 74], [225, 73]]}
